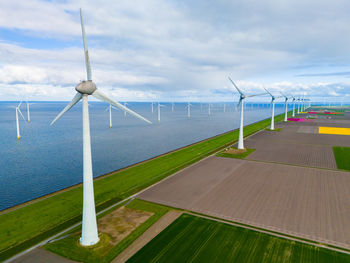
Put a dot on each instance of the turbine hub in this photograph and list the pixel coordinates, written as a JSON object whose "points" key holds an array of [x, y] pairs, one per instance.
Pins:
{"points": [[86, 87]]}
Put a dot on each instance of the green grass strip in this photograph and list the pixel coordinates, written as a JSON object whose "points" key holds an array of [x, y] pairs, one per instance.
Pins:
{"points": [[342, 157], [26, 226], [103, 252], [195, 239], [236, 156]]}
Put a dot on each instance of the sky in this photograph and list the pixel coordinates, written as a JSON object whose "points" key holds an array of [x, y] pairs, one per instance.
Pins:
{"points": [[176, 50]]}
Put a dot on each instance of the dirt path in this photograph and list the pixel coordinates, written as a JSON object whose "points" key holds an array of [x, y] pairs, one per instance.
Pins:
{"points": [[147, 236]]}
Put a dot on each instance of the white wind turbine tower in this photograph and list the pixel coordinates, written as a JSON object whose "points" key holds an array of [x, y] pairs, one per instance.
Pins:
{"points": [[285, 106], [209, 109], [241, 103], [125, 103], [17, 120], [110, 114], [272, 127], [89, 234], [189, 105], [159, 105], [293, 106], [298, 99], [152, 107], [28, 112], [172, 107]]}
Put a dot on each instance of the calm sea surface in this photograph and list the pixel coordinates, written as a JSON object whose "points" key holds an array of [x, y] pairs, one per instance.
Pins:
{"points": [[49, 158]]}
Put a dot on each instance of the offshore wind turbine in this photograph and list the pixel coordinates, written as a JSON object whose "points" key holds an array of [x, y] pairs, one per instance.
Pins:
{"points": [[209, 109], [152, 107], [241, 103], [272, 127], [172, 107], [188, 109], [159, 105], [28, 112], [89, 234], [125, 103], [110, 107], [17, 120]]}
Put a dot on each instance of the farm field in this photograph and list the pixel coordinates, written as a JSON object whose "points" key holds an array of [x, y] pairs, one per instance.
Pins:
{"points": [[334, 130], [305, 202], [342, 157], [194, 239]]}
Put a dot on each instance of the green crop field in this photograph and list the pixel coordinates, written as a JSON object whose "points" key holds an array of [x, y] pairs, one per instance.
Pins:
{"points": [[342, 157], [195, 239], [28, 225]]}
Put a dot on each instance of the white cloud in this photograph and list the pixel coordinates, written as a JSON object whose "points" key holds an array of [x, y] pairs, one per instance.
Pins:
{"points": [[175, 49]]}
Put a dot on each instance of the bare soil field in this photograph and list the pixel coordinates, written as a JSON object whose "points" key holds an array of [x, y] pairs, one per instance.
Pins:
{"points": [[311, 155], [305, 202], [121, 222]]}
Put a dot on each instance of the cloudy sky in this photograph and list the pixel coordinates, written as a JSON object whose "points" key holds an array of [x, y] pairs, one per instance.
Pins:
{"points": [[150, 50]]}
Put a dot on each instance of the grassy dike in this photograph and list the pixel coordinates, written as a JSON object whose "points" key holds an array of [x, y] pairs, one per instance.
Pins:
{"points": [[28, 225]]}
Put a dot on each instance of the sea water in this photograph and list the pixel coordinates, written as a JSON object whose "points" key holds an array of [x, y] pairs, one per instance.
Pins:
{"points": [[50, 158]]}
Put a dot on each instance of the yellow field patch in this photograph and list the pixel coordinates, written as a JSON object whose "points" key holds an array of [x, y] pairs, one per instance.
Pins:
{"points": [[334, 130]]}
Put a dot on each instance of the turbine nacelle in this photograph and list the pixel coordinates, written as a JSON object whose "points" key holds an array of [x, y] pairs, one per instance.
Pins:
{"points": [[86, 87]]}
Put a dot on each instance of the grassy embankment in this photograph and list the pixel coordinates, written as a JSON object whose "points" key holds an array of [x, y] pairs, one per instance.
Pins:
{"points": [[195, 239], [104, 252], [28, 225], [342, 157]]}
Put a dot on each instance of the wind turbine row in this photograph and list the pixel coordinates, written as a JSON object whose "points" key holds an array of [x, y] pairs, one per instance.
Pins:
{"points": [[89, 234]]}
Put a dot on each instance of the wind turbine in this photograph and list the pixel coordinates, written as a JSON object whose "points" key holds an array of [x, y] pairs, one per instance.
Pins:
{"points": [[17, 120], [152, 107], [285, 106], [172, 107], [28, 112], [89, 234], [293, 106], [273, 109], [209, 109], [241, 103], [125, 103], [159, 105], [110, 107], [189, 109], [298, 104]]}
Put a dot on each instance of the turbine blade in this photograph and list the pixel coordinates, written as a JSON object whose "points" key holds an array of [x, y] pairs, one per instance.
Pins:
{"points": [[114, 108], [268, 92], [86, 52], [74, 101], [21, 114], [240, 92], [101, 96], [260, 94], [239, 102]]}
